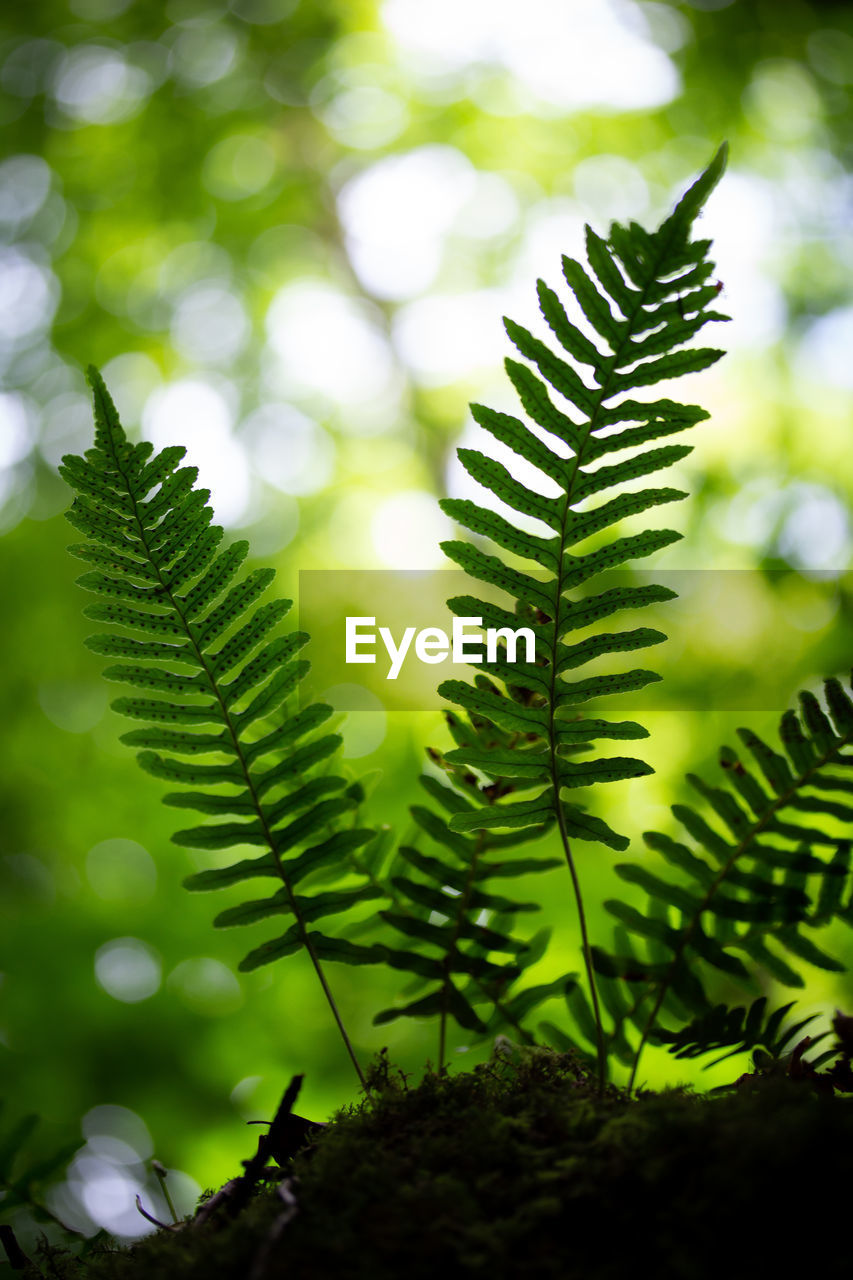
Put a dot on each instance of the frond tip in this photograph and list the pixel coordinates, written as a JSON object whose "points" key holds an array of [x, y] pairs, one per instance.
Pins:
{"points": [[641, 299]]}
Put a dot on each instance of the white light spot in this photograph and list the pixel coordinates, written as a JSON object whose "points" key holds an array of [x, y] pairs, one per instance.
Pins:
{"points": [[610, 187], [407, 530], [128, 970], [194, 262], [206, 986], [554, 228], [17, 417], [67, 427], [781, 101], [669, 29], [29, 295], [210, 325], [238, 166], [443, 338], [109, 1197], [121, 871], [96, 85], [751, 516], [396, 212], [203, 53], [289, 449], [365, 116], [131, 378], [491, 209], [572, 54], [24, 184], [816, 535], [111, 1121], [824, 352], [195, 414], [328, 345], [742, 217]]}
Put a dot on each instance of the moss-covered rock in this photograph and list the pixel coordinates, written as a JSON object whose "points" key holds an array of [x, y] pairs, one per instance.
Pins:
{"points": [[519, 1169]]}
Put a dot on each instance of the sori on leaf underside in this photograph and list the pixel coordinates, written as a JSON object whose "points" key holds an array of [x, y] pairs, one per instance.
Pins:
{"points": [[223, 728]]}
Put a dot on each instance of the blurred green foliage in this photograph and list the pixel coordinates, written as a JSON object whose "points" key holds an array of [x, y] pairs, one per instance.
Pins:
{"points": [[287, 231]]}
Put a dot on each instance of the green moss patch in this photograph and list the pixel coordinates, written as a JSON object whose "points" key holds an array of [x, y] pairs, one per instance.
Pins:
{"points": [[518, 1168]]}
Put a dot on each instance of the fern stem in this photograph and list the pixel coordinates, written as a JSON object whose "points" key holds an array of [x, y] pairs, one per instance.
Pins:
{"points": [[462, 900], [587, 953], [603, 393], [244, 765], [779, 803]]}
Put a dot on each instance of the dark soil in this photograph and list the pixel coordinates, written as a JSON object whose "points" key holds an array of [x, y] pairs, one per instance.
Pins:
{"points": [[520, 1169]]}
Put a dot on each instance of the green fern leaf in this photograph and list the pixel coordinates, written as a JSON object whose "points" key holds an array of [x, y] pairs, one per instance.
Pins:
{"points": [[159, 572], [757, 882], [736, 1030]]}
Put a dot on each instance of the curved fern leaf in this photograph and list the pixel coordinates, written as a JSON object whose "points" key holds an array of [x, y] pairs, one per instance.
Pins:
{"points": [[217, 723], [751, 882], [643, 297]]}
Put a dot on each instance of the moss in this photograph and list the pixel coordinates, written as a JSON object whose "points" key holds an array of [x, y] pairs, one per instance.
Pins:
{"points": [[518, 1168]]}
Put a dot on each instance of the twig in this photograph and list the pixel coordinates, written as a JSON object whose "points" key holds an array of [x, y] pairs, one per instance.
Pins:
{"points": [[18, 1260], [210, 1206], [149, 1217], [283, 1139], [160, 1172]]}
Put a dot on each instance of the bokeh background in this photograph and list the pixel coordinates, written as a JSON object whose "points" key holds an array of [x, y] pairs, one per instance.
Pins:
{"points": [[287, 232]]}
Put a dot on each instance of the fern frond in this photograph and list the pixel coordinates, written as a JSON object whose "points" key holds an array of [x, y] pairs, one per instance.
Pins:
{"points": [[752, 881], [219, 727], [736, 1030], [643, 297], [458, 928]]}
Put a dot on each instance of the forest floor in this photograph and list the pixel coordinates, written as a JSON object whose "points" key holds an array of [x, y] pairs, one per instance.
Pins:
{"points": [[520, 1168]]}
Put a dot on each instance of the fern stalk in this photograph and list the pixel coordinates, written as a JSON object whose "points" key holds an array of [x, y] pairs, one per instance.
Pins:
{"points": [[453, 944]]}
